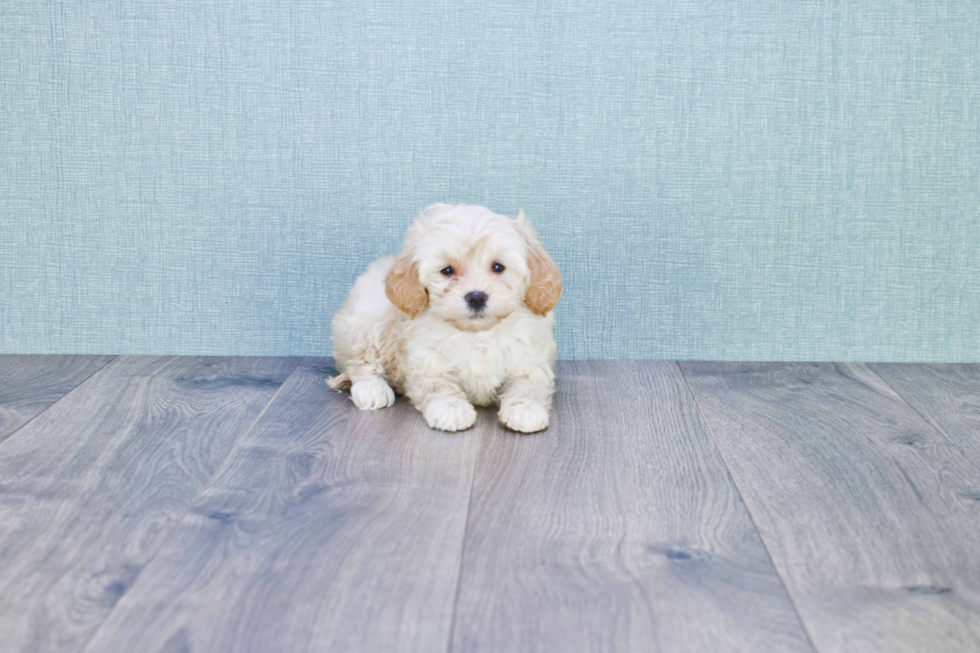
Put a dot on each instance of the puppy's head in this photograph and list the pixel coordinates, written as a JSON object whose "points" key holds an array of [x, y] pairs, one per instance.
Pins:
{"points": [[472, 267]]}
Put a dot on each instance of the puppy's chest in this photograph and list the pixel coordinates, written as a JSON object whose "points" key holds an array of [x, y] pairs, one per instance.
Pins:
{"points": [[480, 371], [479, 363]]}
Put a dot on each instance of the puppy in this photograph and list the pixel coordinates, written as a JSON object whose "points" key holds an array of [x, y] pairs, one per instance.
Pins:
{"points": [[461, 317]]}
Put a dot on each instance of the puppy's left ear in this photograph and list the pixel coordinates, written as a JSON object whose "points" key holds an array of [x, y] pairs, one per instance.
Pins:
{"points": [[544, 288]]}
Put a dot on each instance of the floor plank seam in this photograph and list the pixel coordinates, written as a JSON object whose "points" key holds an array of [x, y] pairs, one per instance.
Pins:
{"points": [[462, 550], [935, 427], [190, 506], [20, 428], [748, 511]]}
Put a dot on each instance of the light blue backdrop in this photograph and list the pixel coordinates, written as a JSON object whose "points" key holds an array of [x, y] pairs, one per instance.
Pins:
{"points": [[754, 180]]}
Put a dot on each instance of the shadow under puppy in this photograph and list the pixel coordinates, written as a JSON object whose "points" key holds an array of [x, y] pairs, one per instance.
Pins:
{"points": [[461, 316]]}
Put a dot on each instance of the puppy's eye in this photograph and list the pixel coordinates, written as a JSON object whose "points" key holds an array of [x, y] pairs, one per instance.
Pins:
{"points": [[448, 271], [497, 267]]}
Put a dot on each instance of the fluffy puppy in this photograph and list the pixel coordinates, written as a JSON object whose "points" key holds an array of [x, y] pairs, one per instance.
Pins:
{"points": [[461, 317]]}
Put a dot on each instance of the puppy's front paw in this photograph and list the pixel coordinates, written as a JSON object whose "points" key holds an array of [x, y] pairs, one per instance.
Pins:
{"points": [[450, 414], [372, 394], [525, 416]]}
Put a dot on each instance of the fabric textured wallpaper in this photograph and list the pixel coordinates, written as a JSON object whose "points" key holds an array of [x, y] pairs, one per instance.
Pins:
{"points": [[717, 180]]}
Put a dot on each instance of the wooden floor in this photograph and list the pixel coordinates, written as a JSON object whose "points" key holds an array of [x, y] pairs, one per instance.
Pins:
{"points": [[238, 504]]}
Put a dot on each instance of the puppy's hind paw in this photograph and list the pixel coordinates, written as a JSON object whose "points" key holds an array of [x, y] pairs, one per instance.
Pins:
{"points": [[372, 394], [449, 414], [525, 417]]}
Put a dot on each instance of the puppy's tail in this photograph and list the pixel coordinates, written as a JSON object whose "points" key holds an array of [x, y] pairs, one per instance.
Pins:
{"points": [[339, 382]]}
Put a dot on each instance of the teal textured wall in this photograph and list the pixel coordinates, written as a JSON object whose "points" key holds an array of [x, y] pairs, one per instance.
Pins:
{"points": [[738, 180]]}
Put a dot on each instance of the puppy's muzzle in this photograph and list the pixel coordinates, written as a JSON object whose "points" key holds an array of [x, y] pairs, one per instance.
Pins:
{"points": [[476, 300]]}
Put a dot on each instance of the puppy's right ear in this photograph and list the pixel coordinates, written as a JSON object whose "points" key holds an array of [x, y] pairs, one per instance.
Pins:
{"points": [[403, 288]]}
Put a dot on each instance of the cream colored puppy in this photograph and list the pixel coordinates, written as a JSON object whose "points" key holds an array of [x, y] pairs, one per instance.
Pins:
{"points": [[461, 316]]}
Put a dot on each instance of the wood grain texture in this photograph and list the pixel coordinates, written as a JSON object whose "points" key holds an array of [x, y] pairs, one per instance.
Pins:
{"points": [[92, 486], [29, 384], [947, 396], [870, 515], [616, 529], [329, 529]]}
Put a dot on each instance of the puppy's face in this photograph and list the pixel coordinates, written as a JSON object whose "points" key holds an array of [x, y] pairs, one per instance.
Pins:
{"points": [[472, 268], [473, 280]]}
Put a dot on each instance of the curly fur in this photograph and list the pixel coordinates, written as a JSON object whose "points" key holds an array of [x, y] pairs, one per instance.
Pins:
{"points": [[406, 327]]}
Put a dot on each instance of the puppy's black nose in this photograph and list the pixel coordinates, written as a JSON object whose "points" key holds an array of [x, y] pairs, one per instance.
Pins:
{"points": [[476, 300]]}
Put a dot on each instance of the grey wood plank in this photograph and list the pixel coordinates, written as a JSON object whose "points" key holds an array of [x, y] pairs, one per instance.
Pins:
{"points": [[29, 384], [947, 396], [616, 529], [870, 514], [91, 487], [330, 528]]}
